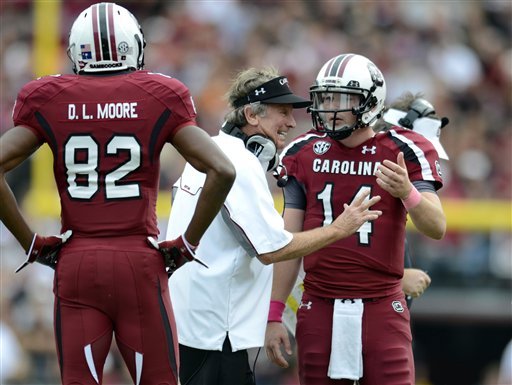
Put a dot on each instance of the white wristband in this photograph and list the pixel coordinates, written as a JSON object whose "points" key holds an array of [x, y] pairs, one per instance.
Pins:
{"points": [[191, 249]]}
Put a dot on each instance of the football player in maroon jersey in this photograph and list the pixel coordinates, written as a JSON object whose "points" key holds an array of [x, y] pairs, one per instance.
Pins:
{"points": [[353, 322], [106, 126]]}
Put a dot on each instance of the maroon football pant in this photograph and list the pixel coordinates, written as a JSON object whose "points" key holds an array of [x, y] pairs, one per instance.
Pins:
{"points": [[386, 335], [114, 286]]}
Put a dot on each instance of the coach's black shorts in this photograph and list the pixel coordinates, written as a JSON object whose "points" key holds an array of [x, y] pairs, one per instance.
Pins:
{"points": [[212, 367]]}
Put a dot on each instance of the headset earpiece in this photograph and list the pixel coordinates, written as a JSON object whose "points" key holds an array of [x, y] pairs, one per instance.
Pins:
{"points": [[408, 119], [264, 149], [419, 108], [261, 146]]}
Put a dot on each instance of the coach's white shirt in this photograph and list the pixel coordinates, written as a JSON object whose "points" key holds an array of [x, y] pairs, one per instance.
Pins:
{"points": [[233, 295]]}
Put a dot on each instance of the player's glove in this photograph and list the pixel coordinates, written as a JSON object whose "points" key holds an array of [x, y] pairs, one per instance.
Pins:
{"points": [[45, 250], [176, 253]]}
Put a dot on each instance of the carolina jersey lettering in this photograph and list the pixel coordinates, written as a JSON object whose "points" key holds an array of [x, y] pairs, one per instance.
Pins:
{"points": [[106, 134], [370, 262], [346, 167]]}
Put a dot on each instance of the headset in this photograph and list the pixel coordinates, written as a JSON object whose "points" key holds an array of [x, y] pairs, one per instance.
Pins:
{"points": [[419, 108], [261, 146], [281, 174]]}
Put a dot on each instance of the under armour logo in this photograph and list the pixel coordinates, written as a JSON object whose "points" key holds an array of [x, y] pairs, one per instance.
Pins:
{"points": [[257, 149], [283, 81], [260, 91], [397, 306], [372, 150], [306, 305]]}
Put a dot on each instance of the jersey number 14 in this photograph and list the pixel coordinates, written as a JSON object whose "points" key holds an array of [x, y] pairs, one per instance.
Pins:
{"points": [[326, 195]]}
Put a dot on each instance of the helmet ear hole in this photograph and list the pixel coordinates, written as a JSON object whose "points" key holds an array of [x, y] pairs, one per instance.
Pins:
{"points": [[373, 102]]}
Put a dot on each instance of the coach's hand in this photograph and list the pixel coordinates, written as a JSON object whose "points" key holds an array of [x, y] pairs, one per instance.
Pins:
{"points": [[45, 250], [176, 253]]}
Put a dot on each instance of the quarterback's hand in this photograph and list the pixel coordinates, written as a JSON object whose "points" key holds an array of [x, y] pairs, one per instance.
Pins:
{"points": [[275, 336], [176, 253], [45, 250], [394, 177]]}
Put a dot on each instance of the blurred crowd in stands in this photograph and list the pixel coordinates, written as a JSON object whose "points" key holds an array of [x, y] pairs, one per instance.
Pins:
{"points": [[457, 53]]}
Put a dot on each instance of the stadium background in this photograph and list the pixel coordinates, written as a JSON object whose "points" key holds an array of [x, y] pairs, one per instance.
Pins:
{"points": [[457, 53]]}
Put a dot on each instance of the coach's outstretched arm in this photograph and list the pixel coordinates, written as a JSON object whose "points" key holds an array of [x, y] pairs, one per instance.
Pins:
{"points": [[346, 224]]}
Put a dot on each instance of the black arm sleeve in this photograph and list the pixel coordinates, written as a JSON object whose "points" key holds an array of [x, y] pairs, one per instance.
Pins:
{"points": [[424, 186], [294, 195]]}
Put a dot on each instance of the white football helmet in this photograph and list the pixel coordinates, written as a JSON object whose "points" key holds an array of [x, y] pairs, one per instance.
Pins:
{"points": [[106, 37], [347, 82]]}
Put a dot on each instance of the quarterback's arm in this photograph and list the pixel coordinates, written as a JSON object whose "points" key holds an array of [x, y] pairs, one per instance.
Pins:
{"points": [[427, 213], [16, 145], [196, 146], [428, 216]]}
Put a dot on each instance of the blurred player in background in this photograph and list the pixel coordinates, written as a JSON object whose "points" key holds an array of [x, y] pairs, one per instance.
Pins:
{"points": [[222, 311], [106, 126], [418, 114], [353, 322]]}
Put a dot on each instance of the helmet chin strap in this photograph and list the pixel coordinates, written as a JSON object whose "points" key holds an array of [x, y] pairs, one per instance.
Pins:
{"points": [[340, 135], [343, 132]]}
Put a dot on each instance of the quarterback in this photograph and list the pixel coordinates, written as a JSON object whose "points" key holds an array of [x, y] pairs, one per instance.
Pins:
{"points": [[353, 321]]}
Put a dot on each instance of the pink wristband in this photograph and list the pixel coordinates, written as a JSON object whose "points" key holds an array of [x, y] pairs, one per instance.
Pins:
{"points": [[275, 313], [412, 200]]}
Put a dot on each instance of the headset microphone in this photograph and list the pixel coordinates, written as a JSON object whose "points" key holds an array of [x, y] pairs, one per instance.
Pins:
{"points": [[281, 174], [281, 182]]}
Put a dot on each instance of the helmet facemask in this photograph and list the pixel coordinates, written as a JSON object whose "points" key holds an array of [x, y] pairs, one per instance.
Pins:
{"points": [[329, 102]]}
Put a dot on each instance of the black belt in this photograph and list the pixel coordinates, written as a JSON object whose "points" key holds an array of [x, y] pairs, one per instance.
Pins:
{"points": [[365, 300]]}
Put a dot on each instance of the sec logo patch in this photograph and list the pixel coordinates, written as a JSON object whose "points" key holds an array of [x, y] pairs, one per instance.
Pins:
{"points": [[321, 147]]}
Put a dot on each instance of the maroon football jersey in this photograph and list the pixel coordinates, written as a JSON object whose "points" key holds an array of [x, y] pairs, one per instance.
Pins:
{"points": [[370, 262], [106, 134]]}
